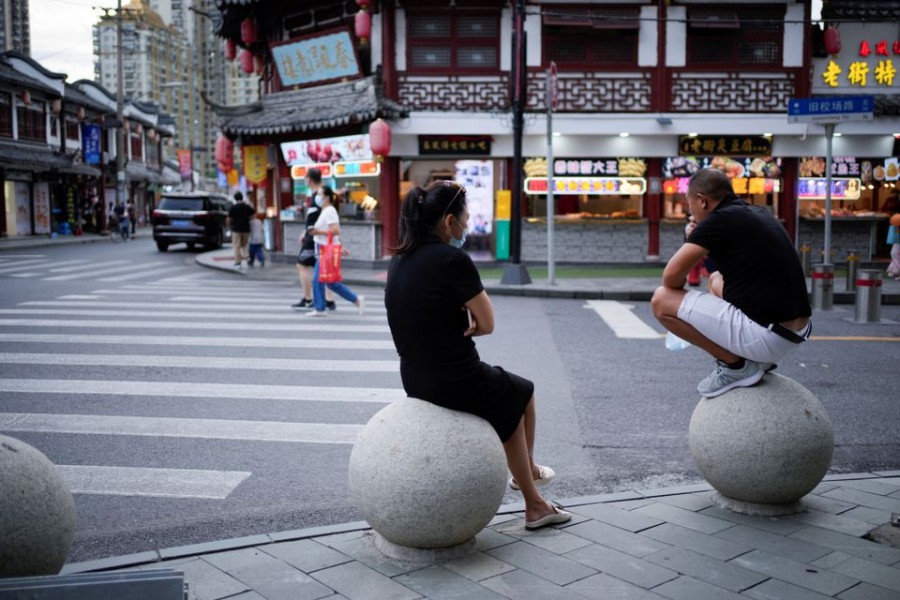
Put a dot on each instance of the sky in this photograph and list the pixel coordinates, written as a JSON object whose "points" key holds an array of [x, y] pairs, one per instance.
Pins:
{"points": [[62, 42]]}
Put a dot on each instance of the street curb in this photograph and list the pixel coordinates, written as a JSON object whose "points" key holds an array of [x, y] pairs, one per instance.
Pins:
{"points": [[187, 551]]}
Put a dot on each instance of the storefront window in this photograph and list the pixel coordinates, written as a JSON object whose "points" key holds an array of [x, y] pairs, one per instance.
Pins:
{"points": [[72, 129], [756, 180], [5, 114], [453, 41], [32, 121], [137, 146], [735, 36], [581, 37], [860, 187]]}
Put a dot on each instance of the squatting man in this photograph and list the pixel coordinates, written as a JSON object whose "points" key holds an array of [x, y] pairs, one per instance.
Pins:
{"points": [[757, 308]]}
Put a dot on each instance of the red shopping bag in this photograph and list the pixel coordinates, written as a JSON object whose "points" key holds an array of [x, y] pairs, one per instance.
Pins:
{"points": [[330, 262]]}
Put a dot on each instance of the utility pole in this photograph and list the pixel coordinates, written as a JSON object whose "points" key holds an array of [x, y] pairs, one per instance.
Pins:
{"points": [[120, 109], [515, 273]]}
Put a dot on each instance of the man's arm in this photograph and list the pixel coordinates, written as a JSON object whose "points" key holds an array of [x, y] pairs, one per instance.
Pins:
{"points": [[676, 271]]}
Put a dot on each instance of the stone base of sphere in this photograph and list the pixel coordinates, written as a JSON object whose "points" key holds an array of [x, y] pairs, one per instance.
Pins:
{"points": [[423, 556], [37, 512], [755, 509], [427, 477], [769, 444]]}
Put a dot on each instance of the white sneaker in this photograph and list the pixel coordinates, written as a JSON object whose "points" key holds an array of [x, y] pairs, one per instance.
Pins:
{"points": [[723, 379], [316, 313], [361, 304]]}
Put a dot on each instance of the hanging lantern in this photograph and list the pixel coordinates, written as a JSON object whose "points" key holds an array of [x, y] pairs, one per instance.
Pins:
{"points": [[832, 40], [139, 129], [258, 64], [224, 154], [362, 24], [230, 49], [246, 61], [81, 113], [25, 96], [127, 125], [364, 4], [248, 31], [56, 106], [380, 139]]}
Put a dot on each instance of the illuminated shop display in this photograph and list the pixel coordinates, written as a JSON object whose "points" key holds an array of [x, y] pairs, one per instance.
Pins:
{"points": [[590, 186], [813, 188]]}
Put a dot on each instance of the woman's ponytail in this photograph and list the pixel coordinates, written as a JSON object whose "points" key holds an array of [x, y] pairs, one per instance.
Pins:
{"points": [[410, 221]]}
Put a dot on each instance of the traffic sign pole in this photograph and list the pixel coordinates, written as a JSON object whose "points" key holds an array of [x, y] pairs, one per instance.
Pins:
{"points": [[551, 203], [829, 137]]}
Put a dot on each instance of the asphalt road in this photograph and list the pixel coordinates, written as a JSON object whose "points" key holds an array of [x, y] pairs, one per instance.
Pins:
{"points": [[186, 405]]}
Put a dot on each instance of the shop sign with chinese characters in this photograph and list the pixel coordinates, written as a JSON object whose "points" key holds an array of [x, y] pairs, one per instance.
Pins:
{"points": [[573, 167], [315, 59], [255, 164], [466, 145], [326, 150], [869, 170], [711, 145], [868, 61], [748, 174], [590, 186]]}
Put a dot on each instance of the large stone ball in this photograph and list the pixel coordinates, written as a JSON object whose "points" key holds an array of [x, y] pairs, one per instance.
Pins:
{"points": [[37, 513], [425, 476], [769, 444]]}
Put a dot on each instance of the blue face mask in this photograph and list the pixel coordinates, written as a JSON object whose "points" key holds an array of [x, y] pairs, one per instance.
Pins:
{"points": [[458, 243], [319, 200]]}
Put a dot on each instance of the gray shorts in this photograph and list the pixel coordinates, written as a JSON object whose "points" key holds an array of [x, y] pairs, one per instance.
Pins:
{"points": [[729, 327]]}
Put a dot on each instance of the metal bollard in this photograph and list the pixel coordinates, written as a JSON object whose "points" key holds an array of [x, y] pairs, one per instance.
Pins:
{"points": [[852, 266], [823, 287], [805, 258], [868, 296]]}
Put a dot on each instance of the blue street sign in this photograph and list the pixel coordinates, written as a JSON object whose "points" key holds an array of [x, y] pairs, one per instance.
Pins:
{"points": [[831, 109]]}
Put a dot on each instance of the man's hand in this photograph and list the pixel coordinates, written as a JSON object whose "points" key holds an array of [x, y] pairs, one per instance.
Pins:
{"points": [[690, 227]]}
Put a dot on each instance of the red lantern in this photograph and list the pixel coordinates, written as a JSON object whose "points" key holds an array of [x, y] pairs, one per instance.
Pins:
{"points": [[832, 40], [380, 139], [258, 64], [363, 25], [248, 31], [25, 97], [224, 154], [80, 114], [364, 4], [247, 61], [230, 49], [139, 129]]}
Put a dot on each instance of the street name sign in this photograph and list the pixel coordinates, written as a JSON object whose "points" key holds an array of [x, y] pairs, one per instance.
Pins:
{"points": [[831, 109]]}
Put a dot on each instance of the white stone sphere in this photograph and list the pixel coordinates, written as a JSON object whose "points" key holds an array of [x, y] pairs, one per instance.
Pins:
{"points": [[425, 476], [768, 444], [37, 513]]}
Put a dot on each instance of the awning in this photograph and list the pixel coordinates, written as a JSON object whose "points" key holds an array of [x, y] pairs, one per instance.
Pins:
{"points": [[139, 172], [310, 109], [38, 159]]}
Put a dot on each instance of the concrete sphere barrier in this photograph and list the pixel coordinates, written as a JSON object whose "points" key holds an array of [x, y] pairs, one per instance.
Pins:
{"points": [[763, 447], [37, 513], [426, 477]]}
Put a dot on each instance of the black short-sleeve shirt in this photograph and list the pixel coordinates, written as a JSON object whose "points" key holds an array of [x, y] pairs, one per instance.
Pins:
{"points": [[762, 272], [240, 214]]}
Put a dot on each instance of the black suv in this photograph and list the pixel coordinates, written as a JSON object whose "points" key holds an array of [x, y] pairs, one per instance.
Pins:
{"points": [[192, 218]]}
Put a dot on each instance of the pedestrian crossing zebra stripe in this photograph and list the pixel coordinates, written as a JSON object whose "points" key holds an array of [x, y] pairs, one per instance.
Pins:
{"points": [[322, 324], [144, 272], [178, 389], [88, 267], [620, 318], [128, 313], [200, 362], [153, 482], [212, 342], [216, 429], [40, 264], [100, 271]]}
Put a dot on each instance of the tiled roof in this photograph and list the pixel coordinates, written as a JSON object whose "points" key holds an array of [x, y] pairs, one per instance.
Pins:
{"points": [[40, 160], [310, 109], [11, 75], [887, 106], [75, 97], [869, 10]]}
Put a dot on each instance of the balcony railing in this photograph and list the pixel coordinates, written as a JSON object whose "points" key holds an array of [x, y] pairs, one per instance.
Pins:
{"points": [[629, 92]]}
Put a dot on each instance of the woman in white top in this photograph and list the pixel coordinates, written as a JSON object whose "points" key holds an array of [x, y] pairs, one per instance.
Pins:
{"points": [[329, 221]]}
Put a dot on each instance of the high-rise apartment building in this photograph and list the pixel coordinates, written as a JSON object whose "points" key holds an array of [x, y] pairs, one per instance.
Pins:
{"points": [[15, 32], [240, 88]]}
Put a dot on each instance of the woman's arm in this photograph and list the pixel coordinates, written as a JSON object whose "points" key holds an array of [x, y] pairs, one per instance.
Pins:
{"points": [[482, 315]]}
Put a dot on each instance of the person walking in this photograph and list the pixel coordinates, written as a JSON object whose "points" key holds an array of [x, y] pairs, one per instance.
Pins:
{"points": [[436, 303], [329, 222], [757, 308], [257, 239], [239, 216], [306, 259], [122, 216], [132, 215]]}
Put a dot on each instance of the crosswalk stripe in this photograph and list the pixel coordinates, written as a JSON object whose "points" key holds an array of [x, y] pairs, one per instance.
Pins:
{"points": [[94, 272], [143, 272], [9, 257], [188, 277], [40, 264], [155, 482], [374, 302], [220, 429], [177, 389], [145, 311], [229, 342], [324, 324], [200, 362], [624, 323], [93, 265]]}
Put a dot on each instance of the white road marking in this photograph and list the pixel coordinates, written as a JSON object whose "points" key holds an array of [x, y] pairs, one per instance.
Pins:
{"points": [[75, 297], [216, 429], [8, 257], [142, 273], [176, 389], [212, 342], [24, 275], [200, 362], [162, 483], [178, 311], [189, 277], [93, 265], [308, 324], [624, 323], [86, 274], [33, 264]]}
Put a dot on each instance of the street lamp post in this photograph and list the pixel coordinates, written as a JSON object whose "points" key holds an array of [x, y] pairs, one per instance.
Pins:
{"points": [[120, 109]]}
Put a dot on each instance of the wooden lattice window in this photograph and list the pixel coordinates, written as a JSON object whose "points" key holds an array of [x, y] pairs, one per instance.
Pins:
{"points": [[32, 121], [591, 38], [137, 146], [73, 128], [6, 129], [737, 36], [453, 41]]}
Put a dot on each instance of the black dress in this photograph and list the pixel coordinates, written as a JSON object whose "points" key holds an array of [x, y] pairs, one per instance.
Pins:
{"points": [[425, 293]]}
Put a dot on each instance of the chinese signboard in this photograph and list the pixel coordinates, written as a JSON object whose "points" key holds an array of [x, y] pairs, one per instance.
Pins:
{"points": [[325, 150], [359, 168], [255, 164], [744, 145], [471, 145], [867, 63], [869, 170], [591, 186], [831, 109], [90, 143], [562, 167], [320, 58]]}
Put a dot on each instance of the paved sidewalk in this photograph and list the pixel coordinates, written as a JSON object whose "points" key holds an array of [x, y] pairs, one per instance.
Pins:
{"points": [[634, 545]]}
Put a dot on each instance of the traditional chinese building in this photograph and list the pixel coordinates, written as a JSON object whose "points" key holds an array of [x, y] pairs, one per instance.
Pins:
{"points": [[645, 93]]}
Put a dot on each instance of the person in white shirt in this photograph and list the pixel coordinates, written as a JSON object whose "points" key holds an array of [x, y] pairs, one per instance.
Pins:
{"points": [[256, 242], [329, 222]]}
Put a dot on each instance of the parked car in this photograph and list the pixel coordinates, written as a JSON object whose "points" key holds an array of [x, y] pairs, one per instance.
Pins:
{"points": [[192, 218]]}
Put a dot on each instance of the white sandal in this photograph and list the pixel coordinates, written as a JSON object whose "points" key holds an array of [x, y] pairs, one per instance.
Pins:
{"points": [[546, 476]]}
